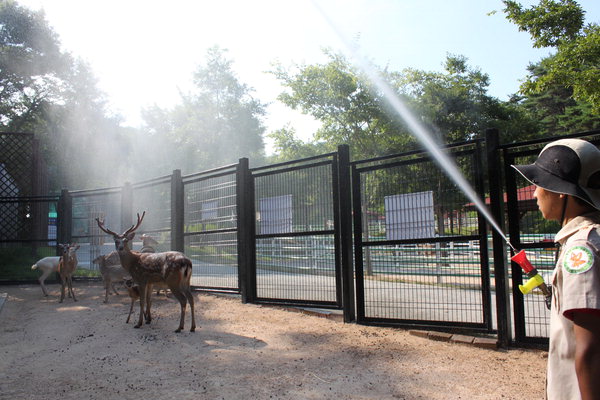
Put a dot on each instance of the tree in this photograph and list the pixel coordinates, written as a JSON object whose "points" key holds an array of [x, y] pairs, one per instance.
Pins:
{"points": [[47, 92], [32, 67], [576, 63], [216, 124], [555, 109], [350, 108], [453, 105], [288, 147]]}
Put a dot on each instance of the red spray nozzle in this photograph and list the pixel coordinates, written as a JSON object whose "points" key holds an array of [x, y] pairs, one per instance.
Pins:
{"points": [[521, 259]]}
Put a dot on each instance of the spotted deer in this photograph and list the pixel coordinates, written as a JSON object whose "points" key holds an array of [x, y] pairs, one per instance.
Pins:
{"points": [[171, 267], [67, 265]]}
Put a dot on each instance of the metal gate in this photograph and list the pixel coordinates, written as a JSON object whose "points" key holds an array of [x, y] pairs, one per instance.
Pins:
{"points": [[296, 257], [210, 222], [421, 247], [81, 209], [529, 231]]}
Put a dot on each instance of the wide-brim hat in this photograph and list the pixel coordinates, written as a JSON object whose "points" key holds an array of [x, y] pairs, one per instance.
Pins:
{"points": [[569, 166]]}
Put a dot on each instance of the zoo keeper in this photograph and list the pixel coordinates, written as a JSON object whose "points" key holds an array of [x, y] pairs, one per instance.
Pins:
{"points": [[567, 179]]}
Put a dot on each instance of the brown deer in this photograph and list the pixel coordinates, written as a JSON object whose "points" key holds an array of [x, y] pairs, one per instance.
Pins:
{"points": [[67, 265], [171, 267], [134, 294]]}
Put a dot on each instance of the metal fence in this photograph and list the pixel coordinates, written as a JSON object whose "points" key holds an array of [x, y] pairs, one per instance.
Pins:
{"points": [[420, 244], [296, 256], [28, 216], [211, 228], [297, 232]]}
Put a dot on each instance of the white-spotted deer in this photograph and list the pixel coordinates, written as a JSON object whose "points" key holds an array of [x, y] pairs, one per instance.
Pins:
{"points": [[67, 265], [170, 267]]}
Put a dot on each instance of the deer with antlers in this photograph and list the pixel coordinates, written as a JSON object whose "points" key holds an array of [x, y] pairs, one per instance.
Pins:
{"points": [[171, 268]]}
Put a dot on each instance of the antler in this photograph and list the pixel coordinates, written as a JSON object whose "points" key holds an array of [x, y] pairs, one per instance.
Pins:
{"points": [[139, 221], [101, 226]]}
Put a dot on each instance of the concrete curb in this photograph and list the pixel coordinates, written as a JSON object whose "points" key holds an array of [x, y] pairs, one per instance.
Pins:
{"points": [[481, 342]]}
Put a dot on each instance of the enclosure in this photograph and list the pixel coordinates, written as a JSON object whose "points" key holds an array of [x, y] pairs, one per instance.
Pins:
{"points": [[388, 241]]}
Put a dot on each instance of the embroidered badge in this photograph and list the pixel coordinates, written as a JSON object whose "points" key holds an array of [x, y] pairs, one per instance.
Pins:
{"points": [[578, 260]]}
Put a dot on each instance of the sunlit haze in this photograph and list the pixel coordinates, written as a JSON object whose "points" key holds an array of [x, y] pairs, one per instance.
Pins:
{"points": [[145, 52]]}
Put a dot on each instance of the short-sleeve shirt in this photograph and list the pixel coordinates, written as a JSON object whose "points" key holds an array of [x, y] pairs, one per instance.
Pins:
{"points": [[575, 287]]}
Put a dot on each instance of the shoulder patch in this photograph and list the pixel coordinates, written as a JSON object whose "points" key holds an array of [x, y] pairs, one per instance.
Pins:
{"points": [[578, 259]]}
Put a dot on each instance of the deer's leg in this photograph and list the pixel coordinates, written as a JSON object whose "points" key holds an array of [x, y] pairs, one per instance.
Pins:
{"points": [[190, 299], [182, 302], [41, 281], [62, 289], [130, 310], [112, 285], [148, 303], [106, 291], [142, 304], [70, 283]]}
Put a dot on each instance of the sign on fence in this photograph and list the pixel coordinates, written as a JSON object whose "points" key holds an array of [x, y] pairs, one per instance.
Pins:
{"points": [[409, 216], [276, 214]]}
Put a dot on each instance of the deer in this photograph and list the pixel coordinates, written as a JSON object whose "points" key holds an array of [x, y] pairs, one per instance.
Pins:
{"points": [[171, 267], [47, 265], [148, 243], [134, 293], [111, 271], [66, 267]]}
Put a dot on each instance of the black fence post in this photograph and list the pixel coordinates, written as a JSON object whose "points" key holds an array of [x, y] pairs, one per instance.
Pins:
{"points": [[126, 206], [499, 244], [246, 232], [65, 218], [177, 212], [345, 222]]}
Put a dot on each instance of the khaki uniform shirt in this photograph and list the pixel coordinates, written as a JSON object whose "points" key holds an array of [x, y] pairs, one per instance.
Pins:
{"points": [[575, 286]]}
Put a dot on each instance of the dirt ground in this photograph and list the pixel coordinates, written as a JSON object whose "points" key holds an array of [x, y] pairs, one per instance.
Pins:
{"points": [[85, 350]]}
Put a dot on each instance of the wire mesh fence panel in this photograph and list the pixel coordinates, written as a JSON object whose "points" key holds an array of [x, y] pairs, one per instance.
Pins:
{"points": [[214, 260], [86, 207], [295, 237], [29, 234], [297, 268], [154, 198], [424, 282], [16, 164], [421, 257], [210, 222]]}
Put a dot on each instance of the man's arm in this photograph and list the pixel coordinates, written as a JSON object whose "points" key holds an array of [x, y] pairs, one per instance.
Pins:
{"points": [[587, 353]]}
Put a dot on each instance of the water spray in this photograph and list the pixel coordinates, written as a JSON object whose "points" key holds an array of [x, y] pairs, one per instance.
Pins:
{"points": [[444, 162]]}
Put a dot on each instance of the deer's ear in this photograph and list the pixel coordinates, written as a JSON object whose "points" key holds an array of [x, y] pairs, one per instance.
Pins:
{"points": [[130, 236]]}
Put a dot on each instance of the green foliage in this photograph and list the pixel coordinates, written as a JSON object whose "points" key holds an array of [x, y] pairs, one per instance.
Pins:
{"points": [[288, 147], [550, 23], [216, 124], [47, 92], [350, 109], [576, 63], [555, 109], [31, 66], [453, 105]]}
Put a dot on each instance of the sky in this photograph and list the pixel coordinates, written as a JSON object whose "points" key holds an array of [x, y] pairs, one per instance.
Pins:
{"points": [[144, 52]]}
